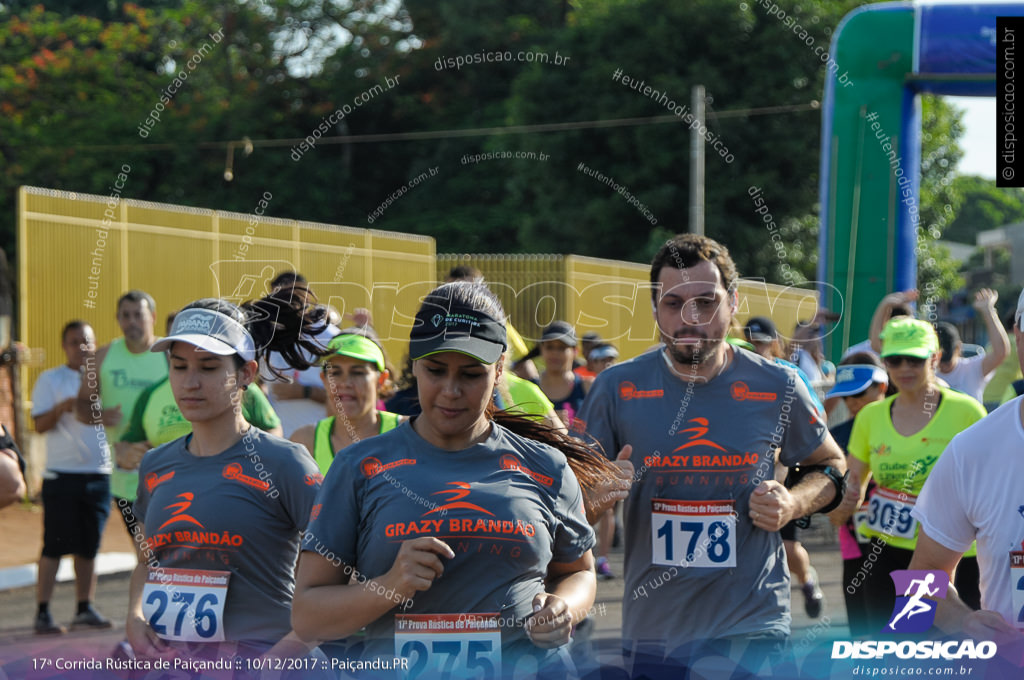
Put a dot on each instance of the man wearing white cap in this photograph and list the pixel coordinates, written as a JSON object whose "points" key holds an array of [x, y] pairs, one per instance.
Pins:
{"points": [[974, 492]]}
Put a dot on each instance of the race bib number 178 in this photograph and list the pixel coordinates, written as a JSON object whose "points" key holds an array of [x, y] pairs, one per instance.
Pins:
{"points": [[693, 533]]}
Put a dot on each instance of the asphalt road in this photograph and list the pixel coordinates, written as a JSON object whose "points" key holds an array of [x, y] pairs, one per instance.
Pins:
{"points": [[22, 653]]}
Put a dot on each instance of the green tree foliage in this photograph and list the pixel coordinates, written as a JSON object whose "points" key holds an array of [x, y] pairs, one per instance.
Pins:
{"points": [[164, 90], [65, 82], [760, 62], [984, 206], [80, 86], [941, 130], [466, 207]]}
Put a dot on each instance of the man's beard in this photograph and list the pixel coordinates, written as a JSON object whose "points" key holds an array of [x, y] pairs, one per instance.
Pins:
{"points": [[694, 354]]}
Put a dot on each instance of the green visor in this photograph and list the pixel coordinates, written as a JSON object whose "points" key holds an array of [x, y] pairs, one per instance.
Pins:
{"points": [[357, 347]]}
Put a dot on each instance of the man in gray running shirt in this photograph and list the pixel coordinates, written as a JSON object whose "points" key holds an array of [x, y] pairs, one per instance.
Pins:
{"points": [[706, 420]]}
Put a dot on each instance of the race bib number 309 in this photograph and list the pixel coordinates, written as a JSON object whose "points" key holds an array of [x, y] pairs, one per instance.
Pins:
{"points": [[449, 645], [889, 514], [693, 533], [186, 604]]}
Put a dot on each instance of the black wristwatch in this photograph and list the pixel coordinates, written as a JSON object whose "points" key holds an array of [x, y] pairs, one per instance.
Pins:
{"points": [[797, 473]]}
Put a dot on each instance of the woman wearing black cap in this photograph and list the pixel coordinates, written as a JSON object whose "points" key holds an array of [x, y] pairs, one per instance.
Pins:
{"points": [[457, 539]]}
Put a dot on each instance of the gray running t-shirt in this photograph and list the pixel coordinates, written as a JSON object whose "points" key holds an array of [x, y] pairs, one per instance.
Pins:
{"points": [[507, 507], [240, 511], [691, 570]]}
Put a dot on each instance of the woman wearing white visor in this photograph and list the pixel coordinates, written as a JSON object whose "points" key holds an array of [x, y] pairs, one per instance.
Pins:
{"points": [[221, 510]]}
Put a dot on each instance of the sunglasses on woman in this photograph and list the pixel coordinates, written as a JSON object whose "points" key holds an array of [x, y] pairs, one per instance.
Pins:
{"points": [[896, 361]]}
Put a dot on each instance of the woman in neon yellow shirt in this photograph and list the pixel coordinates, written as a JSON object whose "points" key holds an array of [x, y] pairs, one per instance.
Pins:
{"points": [[897, 441], [354, 374]]}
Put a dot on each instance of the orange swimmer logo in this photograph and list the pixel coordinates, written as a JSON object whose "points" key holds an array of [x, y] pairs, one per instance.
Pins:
{"points": [[371, 467], [740, 392], [697, 438], [510, 462], [455, 502], [178, 514], [628, 391]]}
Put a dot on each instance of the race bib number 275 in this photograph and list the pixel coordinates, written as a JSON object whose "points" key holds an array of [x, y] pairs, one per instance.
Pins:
{"points": [[449, 645], [693, 533]]}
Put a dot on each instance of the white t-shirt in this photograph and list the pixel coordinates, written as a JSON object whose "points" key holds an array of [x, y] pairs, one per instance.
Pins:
{"points": [[967, 377], [294, 413], [71, 446], [974, 493]]}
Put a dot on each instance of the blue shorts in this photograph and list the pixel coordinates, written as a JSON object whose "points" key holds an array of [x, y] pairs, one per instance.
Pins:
{"points": [[75, 510]]}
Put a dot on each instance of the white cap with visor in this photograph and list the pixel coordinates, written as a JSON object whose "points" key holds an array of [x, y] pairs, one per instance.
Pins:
{"points": [[209, 330]]}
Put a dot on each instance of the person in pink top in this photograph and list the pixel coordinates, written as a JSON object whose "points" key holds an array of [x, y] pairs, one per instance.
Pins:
{"points": [[860, 380]]}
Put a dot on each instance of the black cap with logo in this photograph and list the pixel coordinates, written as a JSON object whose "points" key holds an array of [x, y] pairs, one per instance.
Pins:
{"points": [[452, 326]]}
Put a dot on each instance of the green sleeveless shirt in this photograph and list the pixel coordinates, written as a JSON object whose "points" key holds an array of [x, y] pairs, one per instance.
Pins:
{"points": [[323, 452]]}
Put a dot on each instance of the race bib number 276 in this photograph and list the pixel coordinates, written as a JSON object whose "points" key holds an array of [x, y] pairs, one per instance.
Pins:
{"points": [[186, 604]]}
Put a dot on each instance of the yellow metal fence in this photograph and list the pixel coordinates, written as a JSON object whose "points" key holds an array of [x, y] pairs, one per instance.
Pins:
{"points": [[78, 253]]}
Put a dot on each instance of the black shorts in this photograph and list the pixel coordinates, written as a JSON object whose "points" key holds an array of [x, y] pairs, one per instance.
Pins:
{"points": [[75, 510], [788, 531]]}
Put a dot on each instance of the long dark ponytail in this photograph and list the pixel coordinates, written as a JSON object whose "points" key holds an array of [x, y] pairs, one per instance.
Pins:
{"points": [[587, 462], [286, 322], [281, 322]]}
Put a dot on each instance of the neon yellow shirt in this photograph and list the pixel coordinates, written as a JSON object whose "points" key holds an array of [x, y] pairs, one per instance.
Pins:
{"points": [[902, 464], [323, 450], [1004, 375], [516, 345], [525, 397]]}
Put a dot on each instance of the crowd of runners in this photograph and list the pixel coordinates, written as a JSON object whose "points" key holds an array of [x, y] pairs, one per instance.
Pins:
{"points": [[291, 496]]}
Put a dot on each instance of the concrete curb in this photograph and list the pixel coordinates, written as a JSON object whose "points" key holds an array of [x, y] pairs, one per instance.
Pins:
{"points": [[106, 563]]}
